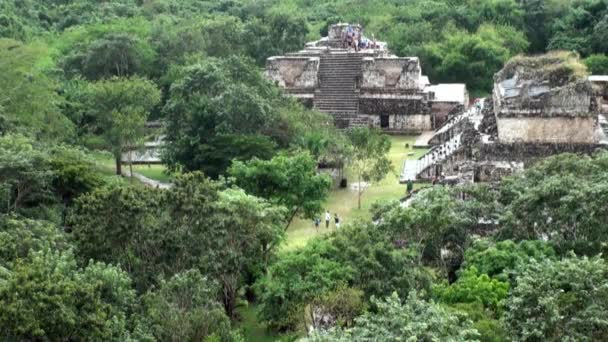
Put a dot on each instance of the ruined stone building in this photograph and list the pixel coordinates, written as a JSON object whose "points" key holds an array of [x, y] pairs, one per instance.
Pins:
{"points": [[540, 106], [369, 87]]}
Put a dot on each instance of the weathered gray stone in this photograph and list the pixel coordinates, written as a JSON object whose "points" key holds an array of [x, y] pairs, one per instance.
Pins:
{"points": [[293, 72], [359, 88]]}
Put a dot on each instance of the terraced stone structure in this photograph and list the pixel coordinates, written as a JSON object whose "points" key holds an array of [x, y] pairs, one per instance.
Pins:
{"points": [[541, 106], [545, 99], [370, 87]]}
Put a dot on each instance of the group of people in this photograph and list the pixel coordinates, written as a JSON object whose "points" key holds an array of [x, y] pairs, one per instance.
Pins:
{"points": [[317, 220], [353, 38]]}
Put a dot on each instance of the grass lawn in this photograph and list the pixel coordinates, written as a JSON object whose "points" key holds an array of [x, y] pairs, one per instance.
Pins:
{"points": [[344, 201], [106, 164], [252, 329], [156, 172]]}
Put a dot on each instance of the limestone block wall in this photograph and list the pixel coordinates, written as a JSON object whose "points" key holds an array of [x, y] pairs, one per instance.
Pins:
{"points": [[527, 99], [293, 72], [403, 123], [547, 130], [390, 72], [529, 153], [393, 104], [411, 123]]}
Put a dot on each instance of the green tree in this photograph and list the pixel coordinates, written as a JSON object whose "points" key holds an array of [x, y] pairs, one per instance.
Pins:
{"points": [[343, 305], [561, 198], [358, 256], [121, 225], [298, 278], [473, 287], [226, 233], [74, 172], [369, 161], [414, 319], [434, 221], [20, 236], [597, 64], [115, 55], [473, 58], [501, 260], [121, 107], [117, 48], [215, 98], [289, 181], [184, 308], [559, 300], [29, 101], [45, 296], [25, 174], [579, 26]]}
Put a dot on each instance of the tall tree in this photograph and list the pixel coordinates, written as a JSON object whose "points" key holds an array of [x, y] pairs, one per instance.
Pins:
{"points": [[121, 107], [129, 232], [184, 308], [559, 301], [369, 161], [289, 181], [46, 296], [29, 101], [413, 319], [227, 233], [25, 173]]}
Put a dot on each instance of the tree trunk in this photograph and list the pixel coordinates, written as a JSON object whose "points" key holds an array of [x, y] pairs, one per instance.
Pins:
{"points": [[118, 166], [293, 215], [131, 165], [359, 192]]}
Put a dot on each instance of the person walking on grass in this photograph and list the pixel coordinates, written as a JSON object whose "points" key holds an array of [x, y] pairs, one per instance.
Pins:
{"points": [[317, 223], [410, 186], [327, 218], [337, 221]]}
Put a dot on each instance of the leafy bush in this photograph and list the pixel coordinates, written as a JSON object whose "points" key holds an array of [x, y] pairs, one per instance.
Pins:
{"points": [[413, 319], [501, 260], [560, 300], [472, 287]]}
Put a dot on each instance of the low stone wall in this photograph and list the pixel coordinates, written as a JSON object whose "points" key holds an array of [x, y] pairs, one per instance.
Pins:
{"points": [[293, 72], [547, 130], [528, 153], [390, 72]]}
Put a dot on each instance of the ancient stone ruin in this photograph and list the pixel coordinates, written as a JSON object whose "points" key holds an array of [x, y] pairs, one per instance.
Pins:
{"points": [[540, 106], [370, 87]]}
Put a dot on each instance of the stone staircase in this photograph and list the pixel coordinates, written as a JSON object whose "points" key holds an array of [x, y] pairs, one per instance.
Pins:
{"points": [[337, 94], [456, 124], [413, 168]]}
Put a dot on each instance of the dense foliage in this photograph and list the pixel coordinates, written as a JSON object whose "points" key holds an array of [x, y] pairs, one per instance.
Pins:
{"points": [[457, 40], [88, 255]]}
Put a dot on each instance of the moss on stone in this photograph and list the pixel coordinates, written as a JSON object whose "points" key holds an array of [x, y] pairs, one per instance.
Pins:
{"points": [[557, 68]]}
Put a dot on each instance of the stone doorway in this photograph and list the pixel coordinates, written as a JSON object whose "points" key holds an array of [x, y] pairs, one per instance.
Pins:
{"points": [[384, 122]]}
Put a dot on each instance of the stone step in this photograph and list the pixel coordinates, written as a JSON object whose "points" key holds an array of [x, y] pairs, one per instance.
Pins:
{"points": [[336, 104], [347, 90], [337, 98]]}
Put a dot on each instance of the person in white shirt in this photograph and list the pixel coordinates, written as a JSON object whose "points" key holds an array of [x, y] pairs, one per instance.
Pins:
{"points": [[327, 218]]}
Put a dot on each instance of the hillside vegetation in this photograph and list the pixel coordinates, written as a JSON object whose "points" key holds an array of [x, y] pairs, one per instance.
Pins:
{"points": [[228, 251]]}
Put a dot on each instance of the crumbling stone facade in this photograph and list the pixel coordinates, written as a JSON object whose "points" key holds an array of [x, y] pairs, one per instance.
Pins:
{"points": [[544, 100], [368, 87], [541, 106]]}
